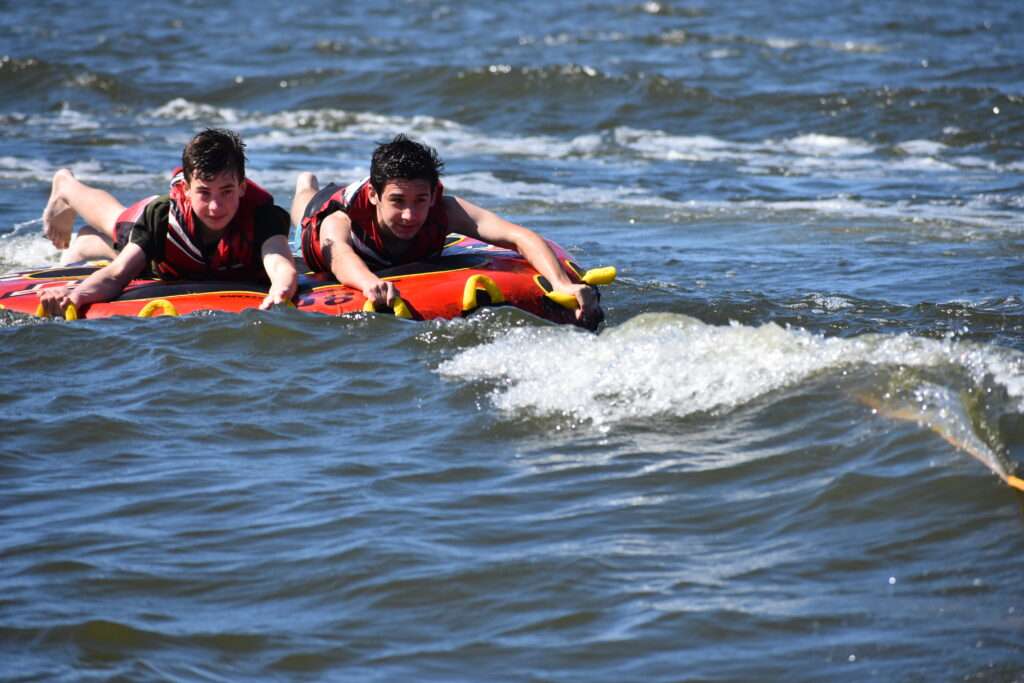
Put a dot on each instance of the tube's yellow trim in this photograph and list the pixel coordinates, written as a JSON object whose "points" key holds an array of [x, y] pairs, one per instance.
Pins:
{"points": [[400, 308], [164, 306], [1015, 482], [474, 283]]}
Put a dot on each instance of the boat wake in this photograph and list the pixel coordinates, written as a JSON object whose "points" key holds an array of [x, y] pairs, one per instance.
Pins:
{"points": [[669, 365]]}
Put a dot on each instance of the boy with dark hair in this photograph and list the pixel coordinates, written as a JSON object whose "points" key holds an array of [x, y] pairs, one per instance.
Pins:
{"points": [[213, 224], [400, 214]]}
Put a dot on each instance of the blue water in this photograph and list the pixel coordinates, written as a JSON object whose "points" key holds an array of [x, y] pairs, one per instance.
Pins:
{"points": [[779, 459]]}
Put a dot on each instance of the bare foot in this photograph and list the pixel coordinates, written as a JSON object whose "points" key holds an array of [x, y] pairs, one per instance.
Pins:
{"points": [[305, 182], [306, 185], [58, 216]]}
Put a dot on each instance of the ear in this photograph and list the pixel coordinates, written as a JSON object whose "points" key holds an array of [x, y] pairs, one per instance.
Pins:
{"points": [[372, 196], [241, 187]]}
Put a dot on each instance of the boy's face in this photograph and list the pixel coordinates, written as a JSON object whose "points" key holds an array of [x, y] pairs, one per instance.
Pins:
{"points": [[402, 206], [215, 200]]}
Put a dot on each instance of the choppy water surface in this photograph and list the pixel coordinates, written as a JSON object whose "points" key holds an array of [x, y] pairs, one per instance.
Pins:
{"points": [[780, 458]]}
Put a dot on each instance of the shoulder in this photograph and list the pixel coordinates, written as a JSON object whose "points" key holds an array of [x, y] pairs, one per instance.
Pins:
{"points": [[160, 206], [269, 220], [461, 214], [355, 196], [151, 225], [337, 221]]}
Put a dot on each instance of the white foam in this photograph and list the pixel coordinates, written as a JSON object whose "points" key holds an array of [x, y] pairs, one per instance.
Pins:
{"points": [[25, 247], [809, 153], [786, 44], [72, 119], [816, 144], [489, 184], [722, 53], [180, 109], [852, 46], [38, 171], [666, 364], [921, 147], [349, 135], [830, 303], [782, 43], [661, 146], [991, 219]]}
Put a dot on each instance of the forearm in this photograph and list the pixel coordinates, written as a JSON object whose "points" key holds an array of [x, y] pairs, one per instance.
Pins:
{"points": [[99, 286], [470, 219], [479, 222], [282, 274], [350, 270], [535, 250]]}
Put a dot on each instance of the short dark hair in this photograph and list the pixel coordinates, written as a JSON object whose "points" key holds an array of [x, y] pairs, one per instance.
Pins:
{"points": [[406, 159], [212, 152]]}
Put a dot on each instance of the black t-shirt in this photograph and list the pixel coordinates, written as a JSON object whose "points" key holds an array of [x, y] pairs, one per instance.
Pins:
{"points": [[150, 231]]}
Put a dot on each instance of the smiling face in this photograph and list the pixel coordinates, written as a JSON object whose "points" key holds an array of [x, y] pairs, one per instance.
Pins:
{"points": [[215, 200], [402, 206]]}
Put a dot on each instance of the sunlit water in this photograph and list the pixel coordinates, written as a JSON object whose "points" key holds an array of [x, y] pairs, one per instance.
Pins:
{"points": [[781, 458]]}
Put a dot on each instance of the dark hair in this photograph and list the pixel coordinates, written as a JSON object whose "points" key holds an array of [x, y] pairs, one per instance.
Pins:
{"points": [[406, 159], [212, 152]]}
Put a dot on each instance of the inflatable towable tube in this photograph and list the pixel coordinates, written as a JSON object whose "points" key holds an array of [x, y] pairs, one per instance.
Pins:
{"points": [[467, 275]]}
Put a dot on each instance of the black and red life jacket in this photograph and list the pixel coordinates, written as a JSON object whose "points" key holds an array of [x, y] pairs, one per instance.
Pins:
{"points": [[367, 237], [233, 257]]}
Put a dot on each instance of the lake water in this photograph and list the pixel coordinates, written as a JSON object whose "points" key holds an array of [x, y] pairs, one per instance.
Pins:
{"points": [[779, 459]]}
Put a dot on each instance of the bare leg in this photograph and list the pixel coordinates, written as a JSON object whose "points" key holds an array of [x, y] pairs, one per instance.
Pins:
{"points": [[306, 185], [69, 197], [89, 245]]}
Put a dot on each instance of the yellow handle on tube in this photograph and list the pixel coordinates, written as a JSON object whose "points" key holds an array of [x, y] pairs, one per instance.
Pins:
{"points": [[164, 306], [399, 308], [70, 313], [477, 282], [600, 276]]}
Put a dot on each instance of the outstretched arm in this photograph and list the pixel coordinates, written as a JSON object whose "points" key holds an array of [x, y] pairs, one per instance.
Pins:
{"points": [[469, 219], [280, 267], [347, 266], [103, 285]]}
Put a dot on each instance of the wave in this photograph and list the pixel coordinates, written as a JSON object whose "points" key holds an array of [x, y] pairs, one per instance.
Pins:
{"points": [[967, 195], [658, 366], [881, 170], [801, 154], [28, 79]]}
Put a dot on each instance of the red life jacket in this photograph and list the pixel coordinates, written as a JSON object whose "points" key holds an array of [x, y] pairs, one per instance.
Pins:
{"points": [[367, 237], [234, 255]]}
